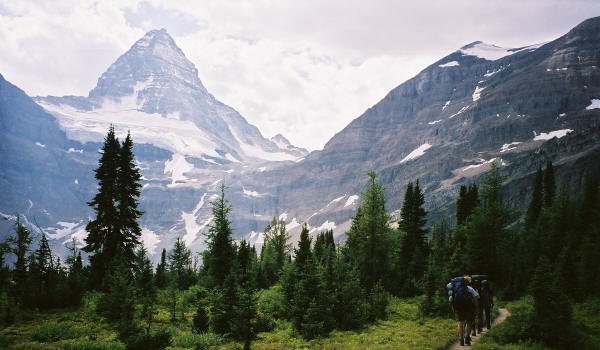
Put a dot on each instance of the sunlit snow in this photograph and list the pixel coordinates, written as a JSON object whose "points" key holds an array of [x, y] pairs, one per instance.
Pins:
{"points": [[73, 150], [351, 200], [486, 51], [434, 122], [449, 64], [192, 228], [595, 103], [416, 153], [176, 167], [292, 224], [446, 104], [551, 134], [459, 112], [509, 146], [474, 166], [477, 93], [327, 225], [40, 145]]}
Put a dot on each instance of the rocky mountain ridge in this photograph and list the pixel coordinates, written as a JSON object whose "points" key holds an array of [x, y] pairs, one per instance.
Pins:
{"points": [[478, 106]]}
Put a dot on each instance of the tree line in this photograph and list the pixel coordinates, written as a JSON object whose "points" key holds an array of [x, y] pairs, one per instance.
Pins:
{"points": [[320, 284]]}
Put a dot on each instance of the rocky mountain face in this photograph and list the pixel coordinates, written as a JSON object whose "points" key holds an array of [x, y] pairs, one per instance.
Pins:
{"points": [[478, 106]]}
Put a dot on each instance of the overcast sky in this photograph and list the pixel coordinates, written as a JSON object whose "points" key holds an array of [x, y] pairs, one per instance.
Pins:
{"points": [[301, 68]]}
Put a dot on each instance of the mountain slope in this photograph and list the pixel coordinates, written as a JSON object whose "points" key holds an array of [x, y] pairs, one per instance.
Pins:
{"points": [[446, 126]]}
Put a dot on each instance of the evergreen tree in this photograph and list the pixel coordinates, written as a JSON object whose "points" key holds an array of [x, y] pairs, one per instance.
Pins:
{"points": [[551, 321], [128, 192], [161, 270], [200, 320], [118, 302], [219, 256], [180, 265], [350, 309], [369, 236], [146, 289], [414, 250], [549, 185], [42, 274], [537, 196], [102, 240], [274, 253], [20, 247]]}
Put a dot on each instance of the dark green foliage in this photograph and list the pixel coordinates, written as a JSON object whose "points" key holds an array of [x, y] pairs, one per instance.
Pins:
{"points": [[350, 309], [145, 341], [413, 250], [145, 287], [53, 332], [549, 185], [219, 256], [20, 247], [180, 265], [161, 270], [536, 204], [115, 231], [128, 192], [467, 201], [200, 319], [243, 323], [369, 237], [117, 303], [274, 253], [551, 321]]}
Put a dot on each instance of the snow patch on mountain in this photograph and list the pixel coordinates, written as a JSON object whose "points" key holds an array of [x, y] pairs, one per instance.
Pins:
{"points": [[192, 228], [446, 104], [327, 225], [292, 224], [434, 122], [477, 93], [176, 167], [449, 64], [351, 200], [73, 150], [250, 193], [552, 134], [419, 151], [483, 162], [509, 146], [459, 112], [486, 51], [594, 104], [150, 240], [39, 144]]}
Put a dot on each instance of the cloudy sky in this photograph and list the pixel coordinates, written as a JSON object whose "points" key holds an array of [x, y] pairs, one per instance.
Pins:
{"points": [[301, 68]]}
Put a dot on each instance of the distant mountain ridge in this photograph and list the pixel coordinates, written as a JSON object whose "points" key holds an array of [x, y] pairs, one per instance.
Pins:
{"points": [[478, 106]]}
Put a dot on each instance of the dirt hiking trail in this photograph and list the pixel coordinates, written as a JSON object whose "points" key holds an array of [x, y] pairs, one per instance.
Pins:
{"points": [[502, 315]]}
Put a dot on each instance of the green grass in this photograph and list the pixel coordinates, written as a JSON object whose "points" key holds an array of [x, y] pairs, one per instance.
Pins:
{"points": [[402, 330]]}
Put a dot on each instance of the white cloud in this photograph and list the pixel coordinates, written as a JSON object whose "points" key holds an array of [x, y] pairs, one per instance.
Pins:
{"points": [[301, 68]]}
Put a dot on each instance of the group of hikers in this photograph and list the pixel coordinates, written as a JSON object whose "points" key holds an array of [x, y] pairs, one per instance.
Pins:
{"points": [[472, 301]]}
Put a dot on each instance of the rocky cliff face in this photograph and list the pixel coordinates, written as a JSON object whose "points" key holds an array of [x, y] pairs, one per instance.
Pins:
{"points": [[478, 106]]}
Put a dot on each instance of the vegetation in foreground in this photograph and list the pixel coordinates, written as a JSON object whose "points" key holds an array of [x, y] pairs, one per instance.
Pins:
{"points": [[320, 294]]}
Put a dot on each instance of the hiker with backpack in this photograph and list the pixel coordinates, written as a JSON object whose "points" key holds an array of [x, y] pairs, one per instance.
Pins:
{"points": [[461, 301], [476, 308], [486, 300]]}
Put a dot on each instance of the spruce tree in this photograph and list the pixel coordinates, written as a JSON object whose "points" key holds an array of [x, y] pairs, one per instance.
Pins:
{"points": [[161, 270], [102, 240], [219, 256], [180, 262], [536, 204], [128, 192], [551, 321], [20, 247], [414, 250], [369, 236], [274, 253], [549, 185]]}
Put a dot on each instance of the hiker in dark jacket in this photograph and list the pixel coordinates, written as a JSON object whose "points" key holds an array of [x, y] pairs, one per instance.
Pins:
{"points": [[463, 307], [486, 300]]}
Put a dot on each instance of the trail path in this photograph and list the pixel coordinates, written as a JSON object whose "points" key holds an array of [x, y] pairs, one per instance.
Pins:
{"points": [[502, 315]]}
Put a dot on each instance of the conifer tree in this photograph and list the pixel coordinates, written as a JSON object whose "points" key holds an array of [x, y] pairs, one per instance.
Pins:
{"points": [[549, 185], [180, 262], [536, 204], [414, 250], [369, 236], [146, 289], [551, 321], [128, 192], [219, 256], [118, 302], [161, 270], [102, 239], [20, 247], [274, 253]]}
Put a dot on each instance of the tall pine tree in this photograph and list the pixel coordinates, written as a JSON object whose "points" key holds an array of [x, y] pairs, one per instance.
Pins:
{"points": [[219, 256]]}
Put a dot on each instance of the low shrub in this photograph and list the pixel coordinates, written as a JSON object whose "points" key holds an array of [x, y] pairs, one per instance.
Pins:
{"points": [[155, 341], [95, 345], [54, 332], [197, 341]]}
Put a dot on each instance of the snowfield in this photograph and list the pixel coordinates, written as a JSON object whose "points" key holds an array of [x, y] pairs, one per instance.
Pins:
{"points": [[416, 153]]}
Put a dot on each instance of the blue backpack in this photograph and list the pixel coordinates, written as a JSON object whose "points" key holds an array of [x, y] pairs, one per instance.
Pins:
{"points": [[459, 292]]}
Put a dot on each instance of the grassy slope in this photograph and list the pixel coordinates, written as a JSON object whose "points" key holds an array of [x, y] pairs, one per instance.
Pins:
{"points": [[83, 329]]}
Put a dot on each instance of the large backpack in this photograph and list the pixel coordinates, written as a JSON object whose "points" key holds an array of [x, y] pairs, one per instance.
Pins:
{"points": [[459, 293]]}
